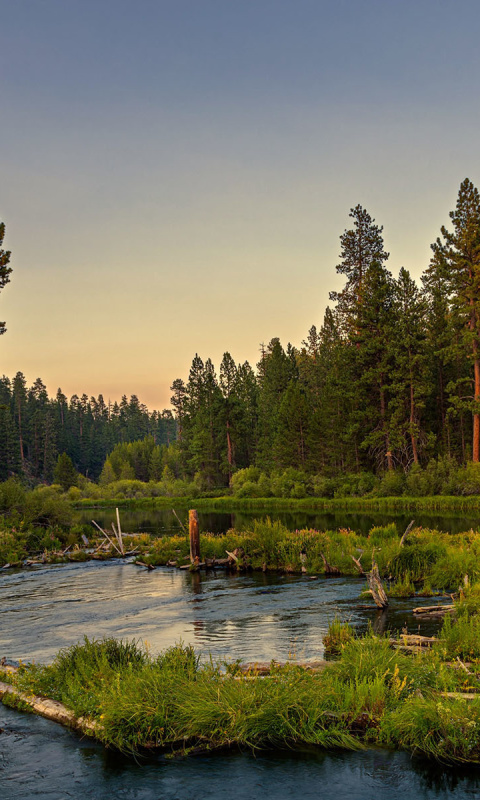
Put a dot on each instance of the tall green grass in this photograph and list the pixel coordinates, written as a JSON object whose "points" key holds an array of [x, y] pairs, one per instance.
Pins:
{"points": [[371, 695]]}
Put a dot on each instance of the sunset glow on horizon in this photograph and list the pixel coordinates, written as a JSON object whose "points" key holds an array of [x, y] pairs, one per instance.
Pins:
{"points": [[175, 176]]}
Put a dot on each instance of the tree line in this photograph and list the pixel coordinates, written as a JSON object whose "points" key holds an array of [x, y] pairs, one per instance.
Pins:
{"points": [[35, 429], [390, 380]]}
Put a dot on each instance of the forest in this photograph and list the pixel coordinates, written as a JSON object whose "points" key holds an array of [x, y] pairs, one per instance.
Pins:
{"points": [[388, 386]]}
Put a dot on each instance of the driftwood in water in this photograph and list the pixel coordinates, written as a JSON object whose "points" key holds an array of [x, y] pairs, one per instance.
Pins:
{"points": [[106, 536], [358, 565], [51, 709], [180, 521], [143, 564], [329, 570], [119, 533], [407, 531], [433, 611], [376, 587], [194, 534]]}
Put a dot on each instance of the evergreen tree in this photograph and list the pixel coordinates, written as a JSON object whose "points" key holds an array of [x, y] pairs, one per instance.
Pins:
{"points": [[362, 246], [410, 377], [5, 270], [460, 251], [65, 473]]}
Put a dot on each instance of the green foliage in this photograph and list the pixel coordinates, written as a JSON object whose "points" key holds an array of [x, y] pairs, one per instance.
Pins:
{"points": [[337, 636], [371, 695], [5, 269], [65, 473], [419, 560], [402, 588]]}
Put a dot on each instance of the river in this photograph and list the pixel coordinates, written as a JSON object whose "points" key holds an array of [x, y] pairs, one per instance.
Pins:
{"points": [[251, 617]]}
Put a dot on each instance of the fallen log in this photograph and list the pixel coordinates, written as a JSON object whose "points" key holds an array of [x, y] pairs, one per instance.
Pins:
{"points": [[142, 564], [329, 569], [266, 667], [50, 709], [414, 639], [433, 611]]}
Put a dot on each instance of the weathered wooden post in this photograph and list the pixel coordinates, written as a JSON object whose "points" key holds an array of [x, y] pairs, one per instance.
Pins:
{"points": [[194, 533]]}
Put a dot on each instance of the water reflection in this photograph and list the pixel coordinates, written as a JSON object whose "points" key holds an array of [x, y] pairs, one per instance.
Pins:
{"points": [[42, 760], [163, 522], [252, 617]]}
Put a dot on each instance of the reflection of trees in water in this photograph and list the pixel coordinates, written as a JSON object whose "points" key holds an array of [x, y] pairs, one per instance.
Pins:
{"points": [[163, 521]]}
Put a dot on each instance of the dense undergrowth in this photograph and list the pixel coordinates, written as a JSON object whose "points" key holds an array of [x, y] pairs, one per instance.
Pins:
{"points": [[372, 695], [442, 477]]}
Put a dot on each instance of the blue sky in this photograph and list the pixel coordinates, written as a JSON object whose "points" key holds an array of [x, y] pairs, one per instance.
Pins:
{"points": [[175, 176]]}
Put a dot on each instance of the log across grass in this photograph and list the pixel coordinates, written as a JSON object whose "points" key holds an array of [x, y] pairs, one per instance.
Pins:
{"points": [[372, 695]]}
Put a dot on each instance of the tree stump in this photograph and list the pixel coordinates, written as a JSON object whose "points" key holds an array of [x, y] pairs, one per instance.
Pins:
{"points": [[376, 587], [194, 533]]}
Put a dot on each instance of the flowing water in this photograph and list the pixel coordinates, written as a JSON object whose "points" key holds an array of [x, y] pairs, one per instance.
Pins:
{"points": [[252, 617]]}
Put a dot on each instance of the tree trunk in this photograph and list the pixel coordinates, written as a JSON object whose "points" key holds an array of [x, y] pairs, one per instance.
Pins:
{"points": [[476, 415], [194, 535], [412, 423], [229, 452], [388, 454]]}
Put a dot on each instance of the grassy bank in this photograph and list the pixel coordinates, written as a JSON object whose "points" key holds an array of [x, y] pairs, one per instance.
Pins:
{"points": [[373, 695], [228, 504], [427, 560]]}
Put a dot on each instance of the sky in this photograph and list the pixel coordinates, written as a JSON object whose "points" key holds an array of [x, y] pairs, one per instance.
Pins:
{"points": [[175, 174]]}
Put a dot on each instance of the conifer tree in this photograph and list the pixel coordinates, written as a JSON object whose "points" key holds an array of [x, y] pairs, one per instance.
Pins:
{"points": [[65, 473], [410, 375], [460, 251], [5, 270], [362, 246]]}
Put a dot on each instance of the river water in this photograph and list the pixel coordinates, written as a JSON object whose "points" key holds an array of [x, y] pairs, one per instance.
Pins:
{"points": [[252, 617], [164, 521]]}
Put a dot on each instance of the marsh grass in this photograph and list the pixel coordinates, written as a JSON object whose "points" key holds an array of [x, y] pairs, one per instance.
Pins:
{"points": [[438, 560], [337, 636], [371, 695], [402, 588]]}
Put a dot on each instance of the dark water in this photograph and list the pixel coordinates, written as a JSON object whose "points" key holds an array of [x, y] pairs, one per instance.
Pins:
{"points": [[41, 760], [253, 617], [163, 521]]}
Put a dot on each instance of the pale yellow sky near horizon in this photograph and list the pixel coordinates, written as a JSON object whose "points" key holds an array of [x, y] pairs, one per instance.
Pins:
{"points": [[176, 181]]}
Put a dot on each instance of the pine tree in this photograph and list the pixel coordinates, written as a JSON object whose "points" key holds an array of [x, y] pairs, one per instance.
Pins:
{"points": [[65, 473], [5, 270], [410, 376], [362, 246], [460, 250]]}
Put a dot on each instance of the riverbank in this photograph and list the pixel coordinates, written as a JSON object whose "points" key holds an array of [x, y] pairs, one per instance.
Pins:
{"points": [[424, 561], [229, 503], [373, 695]]}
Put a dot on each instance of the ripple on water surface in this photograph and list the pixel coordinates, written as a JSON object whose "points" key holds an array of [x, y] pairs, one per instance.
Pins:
{"points": [[252, 617]]}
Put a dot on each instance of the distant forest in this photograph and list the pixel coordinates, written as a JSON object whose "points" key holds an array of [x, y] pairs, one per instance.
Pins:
{"points": [[35, 429], [389, 381]]}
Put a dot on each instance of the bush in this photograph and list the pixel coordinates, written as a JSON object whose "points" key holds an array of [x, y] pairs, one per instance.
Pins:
{"points": [[391, 484]]}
